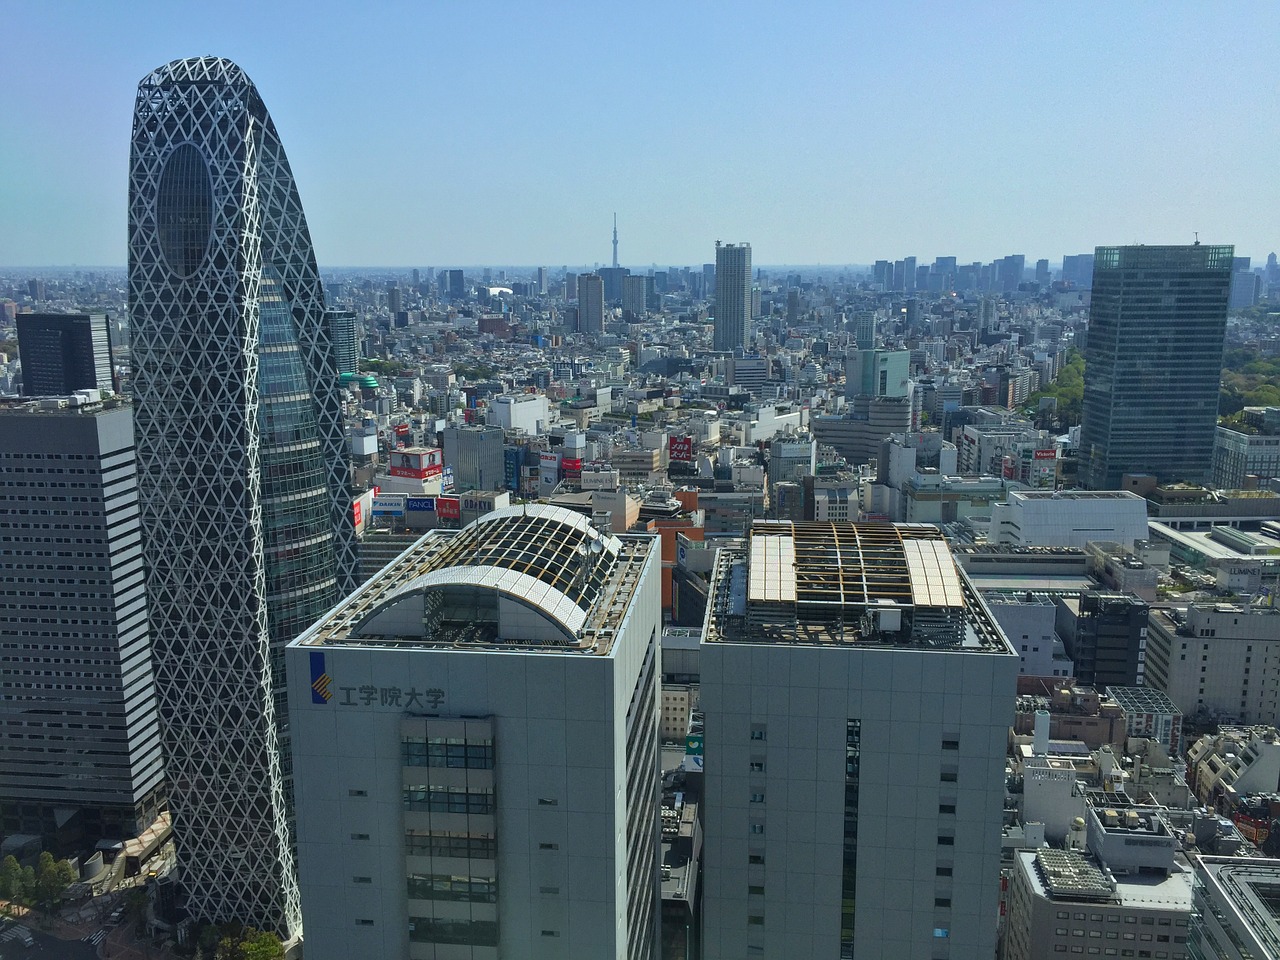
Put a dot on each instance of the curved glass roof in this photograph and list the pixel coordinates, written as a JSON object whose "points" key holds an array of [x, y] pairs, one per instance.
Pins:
{"points": [[547, 558]]}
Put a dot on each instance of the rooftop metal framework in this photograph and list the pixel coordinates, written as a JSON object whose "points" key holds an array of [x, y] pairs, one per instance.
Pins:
{"points": [[1070, 875], [547, 559], [842, 582]]}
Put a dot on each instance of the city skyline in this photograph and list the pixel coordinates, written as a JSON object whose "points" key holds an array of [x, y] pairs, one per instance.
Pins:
{"points": [[441, 143]]}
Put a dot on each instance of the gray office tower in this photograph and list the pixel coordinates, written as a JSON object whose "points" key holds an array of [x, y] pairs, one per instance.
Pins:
{"points": [[590, 303], [733, 295], [1154, 361], [242, 469], [474, 454], [858, 695], [64, 352], [80, 756]]}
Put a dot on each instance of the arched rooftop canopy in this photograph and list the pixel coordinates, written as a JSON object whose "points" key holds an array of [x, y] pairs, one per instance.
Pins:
{"points": [[545, 558]]}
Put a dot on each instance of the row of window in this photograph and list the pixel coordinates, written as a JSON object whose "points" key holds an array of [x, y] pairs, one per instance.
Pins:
{"points": [[449, 799], [476, 933], [439, 886], [471, 755], [468, 846]]}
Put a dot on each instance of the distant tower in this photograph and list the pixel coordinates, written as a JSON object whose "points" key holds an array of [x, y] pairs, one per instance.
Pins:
{"points": [[733, 295], [590, 303], [615, 241]]}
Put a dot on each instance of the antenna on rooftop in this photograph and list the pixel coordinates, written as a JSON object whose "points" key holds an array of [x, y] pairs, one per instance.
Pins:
{"points": [[1197, 235], [615, 241]]}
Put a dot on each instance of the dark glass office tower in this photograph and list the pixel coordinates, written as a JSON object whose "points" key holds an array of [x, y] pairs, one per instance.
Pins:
{"points": [[242, 470], [1153, 362], [64, 352]]}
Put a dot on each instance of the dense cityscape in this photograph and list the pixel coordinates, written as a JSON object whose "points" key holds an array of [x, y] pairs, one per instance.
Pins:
{"points": [[921, 608]]}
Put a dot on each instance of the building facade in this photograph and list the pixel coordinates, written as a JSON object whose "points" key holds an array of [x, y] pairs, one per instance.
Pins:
{"points": [[1234, 914], [64, 352], [590, 303], [246, 513], [1069, 518], [345, 331], [1105, 634], [1154, 355], [857, 695], [733, 295], [1222, 659], [477, 749], [80, 757], [474, 454], [1237, 456]]}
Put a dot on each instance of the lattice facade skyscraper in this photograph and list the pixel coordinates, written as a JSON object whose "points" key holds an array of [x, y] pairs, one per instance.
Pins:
{"points": [[242, 474]]}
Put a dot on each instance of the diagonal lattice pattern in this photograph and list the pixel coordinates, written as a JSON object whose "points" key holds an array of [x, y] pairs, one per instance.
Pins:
{"points": [[242, 471]]}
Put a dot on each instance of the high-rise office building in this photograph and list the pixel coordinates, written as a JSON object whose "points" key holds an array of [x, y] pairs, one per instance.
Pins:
{"points": [[733, 295], [1077, 269], [858, 695], [571, 286], [612, 277], [541, 281], [477, 749], [474, 454], [864, 329], [877, 373], [242, 470], [344, 331], [634, 297], [909, 273], [1154, 361], [590, 303], [80, 756], [64, 352]]}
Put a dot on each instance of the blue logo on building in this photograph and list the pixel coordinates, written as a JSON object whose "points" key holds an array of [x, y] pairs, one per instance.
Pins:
{"points": [[320, 681]]}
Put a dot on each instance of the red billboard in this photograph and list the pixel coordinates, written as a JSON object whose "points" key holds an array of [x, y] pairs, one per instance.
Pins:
{"points": [[419, 463], [1046, 454], [572, 466], [448, 508], [680, 449]]}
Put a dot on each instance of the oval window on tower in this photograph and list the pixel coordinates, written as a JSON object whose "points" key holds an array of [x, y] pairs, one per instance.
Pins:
{"points": [[184, 210]]}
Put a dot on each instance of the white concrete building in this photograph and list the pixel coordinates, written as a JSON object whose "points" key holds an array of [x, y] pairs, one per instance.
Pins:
{"points": [[1041, 518], [475, 749], [1220, 658], [1027, 619], [520, 411], [857, 697]]}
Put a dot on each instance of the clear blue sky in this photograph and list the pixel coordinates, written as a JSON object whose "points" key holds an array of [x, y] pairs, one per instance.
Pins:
{"points": [[438, 134]]}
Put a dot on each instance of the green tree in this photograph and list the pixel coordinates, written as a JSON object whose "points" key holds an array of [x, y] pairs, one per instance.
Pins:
{"points": [[10, 878], [261, 945], [247, 943], [52, 879]]}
